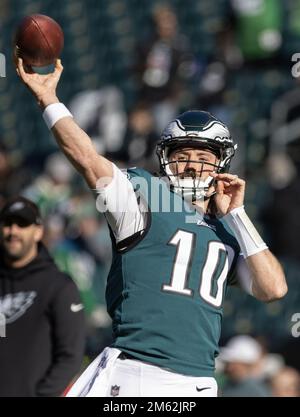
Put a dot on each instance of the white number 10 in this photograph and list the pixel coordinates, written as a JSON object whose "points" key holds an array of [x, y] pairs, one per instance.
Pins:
{"points": [[185, 242]]}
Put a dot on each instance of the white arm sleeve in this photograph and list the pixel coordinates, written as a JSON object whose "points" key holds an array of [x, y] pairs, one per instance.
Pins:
{"points": [[118, 202], [244, 275]]}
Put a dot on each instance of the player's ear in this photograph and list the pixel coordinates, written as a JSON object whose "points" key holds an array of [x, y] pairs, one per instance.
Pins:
{"points": [[38, 233]]}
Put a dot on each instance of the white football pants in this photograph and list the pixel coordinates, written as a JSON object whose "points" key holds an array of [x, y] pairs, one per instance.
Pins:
{"points": [[109, 376]]}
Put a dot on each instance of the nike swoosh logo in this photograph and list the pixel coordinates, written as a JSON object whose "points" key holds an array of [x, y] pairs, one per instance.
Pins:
{"points": [[202, 389], [76, 307]]}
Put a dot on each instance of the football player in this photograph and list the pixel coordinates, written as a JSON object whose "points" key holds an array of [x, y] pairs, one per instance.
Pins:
{"points": [[170, 267]]}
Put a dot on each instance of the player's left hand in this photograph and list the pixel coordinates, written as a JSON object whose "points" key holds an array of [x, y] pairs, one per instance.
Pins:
{"points": [[230, 192]]}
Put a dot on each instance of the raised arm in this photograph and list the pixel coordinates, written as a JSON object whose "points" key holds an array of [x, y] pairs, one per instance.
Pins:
{"points": [[268, 281], [72, 140]]}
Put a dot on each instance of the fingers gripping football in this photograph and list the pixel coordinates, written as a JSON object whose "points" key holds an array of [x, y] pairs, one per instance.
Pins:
{"points": [[41, 86]]}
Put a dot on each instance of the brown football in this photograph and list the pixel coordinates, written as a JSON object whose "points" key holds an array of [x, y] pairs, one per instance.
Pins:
{"points": [[39, 40]]}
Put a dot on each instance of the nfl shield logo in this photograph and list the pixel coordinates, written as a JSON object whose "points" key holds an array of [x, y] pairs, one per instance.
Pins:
{"points": [[115, 389]]}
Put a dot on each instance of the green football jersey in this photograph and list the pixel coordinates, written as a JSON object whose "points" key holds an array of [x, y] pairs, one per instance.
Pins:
{"points": [[165, 289]]}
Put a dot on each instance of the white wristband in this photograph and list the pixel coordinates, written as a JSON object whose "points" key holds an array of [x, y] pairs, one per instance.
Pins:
{"points": [[247, 236], [54, 112]]}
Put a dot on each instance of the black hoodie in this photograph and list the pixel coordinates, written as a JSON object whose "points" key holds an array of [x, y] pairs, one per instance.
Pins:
{"points": [[44, 342]]}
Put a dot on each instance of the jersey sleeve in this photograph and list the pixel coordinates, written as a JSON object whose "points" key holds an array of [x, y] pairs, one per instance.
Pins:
{"points": [[119, 204]]}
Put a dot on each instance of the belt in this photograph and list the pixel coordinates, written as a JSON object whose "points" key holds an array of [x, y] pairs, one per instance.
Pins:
{"points": [[125, 355]]}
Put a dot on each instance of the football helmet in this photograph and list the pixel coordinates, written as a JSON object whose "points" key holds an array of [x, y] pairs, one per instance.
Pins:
{"points": [[194, 129]]}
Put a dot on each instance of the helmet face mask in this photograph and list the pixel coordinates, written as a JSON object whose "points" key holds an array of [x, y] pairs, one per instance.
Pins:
{"points": [[200, 130]]}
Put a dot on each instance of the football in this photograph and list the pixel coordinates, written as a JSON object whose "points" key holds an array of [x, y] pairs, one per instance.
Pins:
{"points": [[38, 40]]}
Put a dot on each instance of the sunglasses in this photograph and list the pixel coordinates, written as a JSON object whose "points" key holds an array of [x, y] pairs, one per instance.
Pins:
{"points": [[16, 220]]}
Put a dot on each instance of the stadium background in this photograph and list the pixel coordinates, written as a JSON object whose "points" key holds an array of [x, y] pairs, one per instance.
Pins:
{"points": [[233, 64]]}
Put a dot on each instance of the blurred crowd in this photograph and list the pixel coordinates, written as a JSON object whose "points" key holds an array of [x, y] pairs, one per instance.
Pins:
{"points": [[245, 79], [245, 368]]}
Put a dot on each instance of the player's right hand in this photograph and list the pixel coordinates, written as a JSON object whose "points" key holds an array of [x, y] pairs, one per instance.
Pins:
{"points": [[43, 87]]}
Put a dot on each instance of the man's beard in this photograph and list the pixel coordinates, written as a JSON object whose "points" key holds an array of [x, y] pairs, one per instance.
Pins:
{"points": [[14, 254]]}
